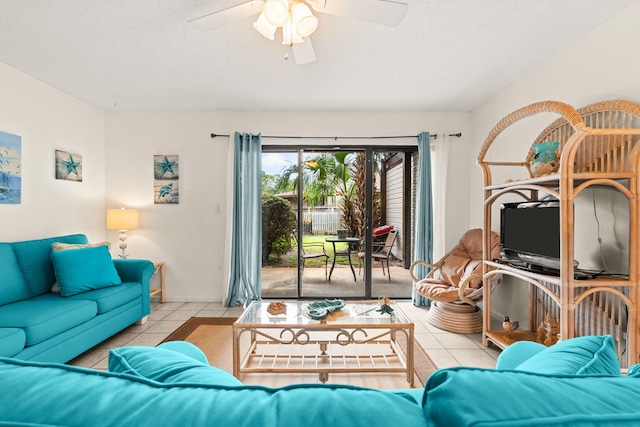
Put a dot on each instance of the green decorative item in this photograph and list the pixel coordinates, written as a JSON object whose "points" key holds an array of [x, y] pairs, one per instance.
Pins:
{"points": [[546, 158], [385, 309], [384, 306], [319, 309]]}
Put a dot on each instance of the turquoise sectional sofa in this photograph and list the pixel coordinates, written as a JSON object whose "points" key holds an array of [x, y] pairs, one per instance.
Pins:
{"points": [[94, 298], [574, 383]]}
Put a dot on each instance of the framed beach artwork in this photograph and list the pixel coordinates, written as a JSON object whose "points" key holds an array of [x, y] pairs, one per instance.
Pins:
{"points": [[166, 177], [68, 166], [10, 163]]}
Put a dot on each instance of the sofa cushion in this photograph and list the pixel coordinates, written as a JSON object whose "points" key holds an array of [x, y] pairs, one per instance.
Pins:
{"points": [[41, 320], [34, 257], [12, 340], [167, 366], [106, 298], [589, 354], [487, 397], [12, 284], [51, 394], [81, 270]]}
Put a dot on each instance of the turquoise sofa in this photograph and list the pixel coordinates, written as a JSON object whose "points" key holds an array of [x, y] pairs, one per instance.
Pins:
{"points": [[574, 383], [95, 297]]}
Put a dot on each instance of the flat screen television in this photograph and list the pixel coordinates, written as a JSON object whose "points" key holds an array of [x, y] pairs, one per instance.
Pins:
{"points": [[530, 234]]}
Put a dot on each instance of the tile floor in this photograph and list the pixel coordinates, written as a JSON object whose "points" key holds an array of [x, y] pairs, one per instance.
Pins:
{"points": [[445, 349]]}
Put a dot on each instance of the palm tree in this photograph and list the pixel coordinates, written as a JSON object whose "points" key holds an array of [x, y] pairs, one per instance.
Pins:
{"points": [[358, 172], [326, 175]]}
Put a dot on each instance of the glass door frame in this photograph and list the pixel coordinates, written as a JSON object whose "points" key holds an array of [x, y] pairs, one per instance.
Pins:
{"points": [[368, 149]]}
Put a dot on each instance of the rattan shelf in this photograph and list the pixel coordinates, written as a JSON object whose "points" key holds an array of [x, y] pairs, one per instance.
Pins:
{"points": [[599, 146]]}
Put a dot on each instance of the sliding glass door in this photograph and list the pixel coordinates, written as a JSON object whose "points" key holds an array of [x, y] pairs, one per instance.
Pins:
{"points": [[352, 215]]}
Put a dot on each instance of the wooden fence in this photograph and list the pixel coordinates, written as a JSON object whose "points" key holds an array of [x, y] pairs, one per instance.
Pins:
{"points": [[320, 223]]}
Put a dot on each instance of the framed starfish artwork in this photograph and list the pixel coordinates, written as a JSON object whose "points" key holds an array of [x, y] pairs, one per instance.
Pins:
{"points": [[68, 166], [10, 162], [166, 177]]}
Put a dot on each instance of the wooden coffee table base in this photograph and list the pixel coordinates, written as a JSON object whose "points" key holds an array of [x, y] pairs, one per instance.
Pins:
{"points": [[324, 348]]}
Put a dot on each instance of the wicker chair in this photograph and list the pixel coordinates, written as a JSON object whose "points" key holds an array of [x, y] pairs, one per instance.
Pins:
{"points": [[313, 250], [455, 284], [381, 252]]}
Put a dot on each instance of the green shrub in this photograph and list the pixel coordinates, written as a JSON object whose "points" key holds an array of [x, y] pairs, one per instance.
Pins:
{"points": [[278, 225]]}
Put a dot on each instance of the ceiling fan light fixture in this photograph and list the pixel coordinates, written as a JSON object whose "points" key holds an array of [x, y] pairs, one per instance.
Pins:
{"points": [[264, 27], [276, 12], [304, 21], [290, 35]]}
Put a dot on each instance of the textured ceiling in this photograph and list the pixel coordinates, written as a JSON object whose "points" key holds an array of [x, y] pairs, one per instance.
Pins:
{"points": [[447, 55]]}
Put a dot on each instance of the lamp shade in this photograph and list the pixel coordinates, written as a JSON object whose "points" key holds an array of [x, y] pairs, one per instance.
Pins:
{"points": [[122, 219]]}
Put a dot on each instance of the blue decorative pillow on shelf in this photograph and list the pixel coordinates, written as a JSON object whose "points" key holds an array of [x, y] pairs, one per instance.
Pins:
{"points": [[546, 158]]}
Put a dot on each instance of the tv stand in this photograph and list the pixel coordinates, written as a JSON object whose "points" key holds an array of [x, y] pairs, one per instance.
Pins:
{"points": [[600, 147], [548, 271]]}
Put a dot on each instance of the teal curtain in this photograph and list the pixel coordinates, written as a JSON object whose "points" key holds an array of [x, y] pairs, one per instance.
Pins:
{"points": [[424, 214], [246, 237]]}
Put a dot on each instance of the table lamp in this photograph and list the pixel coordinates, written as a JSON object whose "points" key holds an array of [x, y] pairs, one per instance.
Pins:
{"points": [[123, 220]]}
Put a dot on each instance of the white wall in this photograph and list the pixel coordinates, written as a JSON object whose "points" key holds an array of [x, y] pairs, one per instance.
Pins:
{"points": [[603, 65], [48, 119], [192, 237]]}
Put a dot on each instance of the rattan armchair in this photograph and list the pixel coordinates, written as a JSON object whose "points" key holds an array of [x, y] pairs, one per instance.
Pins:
{"points": [[454, 284]]}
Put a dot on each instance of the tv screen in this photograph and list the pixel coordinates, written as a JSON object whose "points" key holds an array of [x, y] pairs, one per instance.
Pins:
{"points": [[530, 231]]}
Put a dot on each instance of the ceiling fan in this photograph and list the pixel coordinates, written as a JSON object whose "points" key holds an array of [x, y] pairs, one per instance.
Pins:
{"points": [[297, 21]]}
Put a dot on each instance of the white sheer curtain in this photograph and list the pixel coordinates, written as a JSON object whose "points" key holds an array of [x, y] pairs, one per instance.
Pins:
{"points": [[439, 163]]}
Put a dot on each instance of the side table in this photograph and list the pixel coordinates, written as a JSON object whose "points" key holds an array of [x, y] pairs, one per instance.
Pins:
{"points": [[159, 266]]}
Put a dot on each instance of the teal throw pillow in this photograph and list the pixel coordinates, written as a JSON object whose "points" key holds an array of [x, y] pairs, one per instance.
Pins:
{"points": [[517, 353], [634, 370], [167, 366], [186, 348], [585, 355], [81, 270]]}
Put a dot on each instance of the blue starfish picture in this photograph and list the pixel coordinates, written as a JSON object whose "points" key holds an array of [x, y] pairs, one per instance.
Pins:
{"points": [[68, 166], [71, 165], [166, 178], [165, 166]]}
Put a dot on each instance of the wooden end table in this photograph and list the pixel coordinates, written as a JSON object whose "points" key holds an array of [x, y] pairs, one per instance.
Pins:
{"points": [[159, 266]]}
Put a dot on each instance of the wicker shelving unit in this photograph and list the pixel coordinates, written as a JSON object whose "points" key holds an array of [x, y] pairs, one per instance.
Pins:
{"points": [[599, 148]]}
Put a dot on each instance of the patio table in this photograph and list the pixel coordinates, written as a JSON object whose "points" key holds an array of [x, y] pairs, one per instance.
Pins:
{"points": [[349, 240]]}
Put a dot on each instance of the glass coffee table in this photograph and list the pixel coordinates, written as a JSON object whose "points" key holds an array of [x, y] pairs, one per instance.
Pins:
{"points": [[354, 339]]}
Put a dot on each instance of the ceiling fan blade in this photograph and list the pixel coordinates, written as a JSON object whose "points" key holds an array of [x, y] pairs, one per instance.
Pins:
{"points": [[385, 12], [226, 16], [303, 52]]}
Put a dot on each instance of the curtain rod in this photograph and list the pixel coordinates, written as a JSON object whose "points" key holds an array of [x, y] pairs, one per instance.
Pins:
{"points": [[335, 138]]}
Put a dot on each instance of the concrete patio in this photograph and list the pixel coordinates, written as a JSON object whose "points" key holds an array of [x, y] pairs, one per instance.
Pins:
{"points": [[281, 282]]}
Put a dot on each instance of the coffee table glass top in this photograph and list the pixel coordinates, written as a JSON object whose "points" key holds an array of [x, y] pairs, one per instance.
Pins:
{"points": [[353, 313]]}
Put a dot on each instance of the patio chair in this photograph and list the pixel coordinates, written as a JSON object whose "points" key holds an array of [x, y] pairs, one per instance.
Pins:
{"points": [[382, 251], [455, 284], [314, 250]]}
